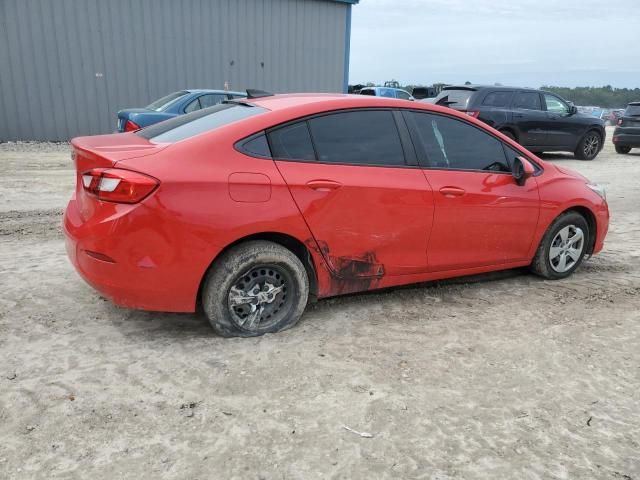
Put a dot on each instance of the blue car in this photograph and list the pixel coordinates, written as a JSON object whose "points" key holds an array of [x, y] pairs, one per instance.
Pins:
{"points": [[174, 104]]}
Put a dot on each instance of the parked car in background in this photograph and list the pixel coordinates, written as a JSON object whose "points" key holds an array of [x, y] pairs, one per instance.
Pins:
{"points": [[174, 104], [614, 115], [252, 207], [386, 92], [420, 93], [627, 133], [540, 121]]}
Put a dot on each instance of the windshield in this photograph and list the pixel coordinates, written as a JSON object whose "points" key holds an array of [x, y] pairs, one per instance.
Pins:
{"points": [[458, 99], [633, 111], [200, 121], [164, 102]]}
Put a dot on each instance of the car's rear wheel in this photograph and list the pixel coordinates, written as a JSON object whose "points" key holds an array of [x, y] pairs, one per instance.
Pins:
{"points": [[589, 146], [563, 247], [622, 150], [255, 288]]}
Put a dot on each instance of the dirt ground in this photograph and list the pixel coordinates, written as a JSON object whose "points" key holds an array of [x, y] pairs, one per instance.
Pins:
{"points": [[502, 377]]}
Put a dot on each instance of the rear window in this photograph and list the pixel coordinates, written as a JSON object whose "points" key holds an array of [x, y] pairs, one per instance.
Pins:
{"points": [[632, 110], [191, 124], [164, 102], [458, 99]]}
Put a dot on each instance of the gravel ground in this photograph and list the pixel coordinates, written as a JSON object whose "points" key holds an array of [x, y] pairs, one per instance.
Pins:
{"points": [[507, 376]]}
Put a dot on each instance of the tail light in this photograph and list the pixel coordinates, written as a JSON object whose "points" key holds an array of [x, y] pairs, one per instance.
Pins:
{"points": [[117, 185], [131, 126], [473, 113], [620, 121]]}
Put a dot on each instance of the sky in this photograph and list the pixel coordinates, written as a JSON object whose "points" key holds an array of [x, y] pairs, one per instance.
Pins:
{"points": [[526, 43]]}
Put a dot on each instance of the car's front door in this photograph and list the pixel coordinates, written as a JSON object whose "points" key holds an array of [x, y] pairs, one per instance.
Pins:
{"points": [[529, 118], [365, 201], [562, 129], [482, 217]]}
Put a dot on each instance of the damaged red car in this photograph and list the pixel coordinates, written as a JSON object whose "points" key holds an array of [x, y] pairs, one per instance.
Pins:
{"points": [[255, 207]]}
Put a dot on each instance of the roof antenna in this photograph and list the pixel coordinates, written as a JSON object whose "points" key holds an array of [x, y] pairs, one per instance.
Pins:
{"points": [[253, 93]]}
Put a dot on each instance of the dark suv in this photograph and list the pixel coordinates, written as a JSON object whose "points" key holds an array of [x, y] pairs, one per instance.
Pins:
{"points": [[537, 120], [627, 133]]}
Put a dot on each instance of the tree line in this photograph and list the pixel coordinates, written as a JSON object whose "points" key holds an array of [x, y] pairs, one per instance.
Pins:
{"points": [[606, 97]]}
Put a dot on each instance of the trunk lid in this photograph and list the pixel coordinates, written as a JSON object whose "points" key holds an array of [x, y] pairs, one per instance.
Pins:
{"points": [[105, 151]]}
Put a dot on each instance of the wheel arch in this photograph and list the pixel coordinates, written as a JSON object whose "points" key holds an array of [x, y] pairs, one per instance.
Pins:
{"points": [[291, 243], [590, 217]]}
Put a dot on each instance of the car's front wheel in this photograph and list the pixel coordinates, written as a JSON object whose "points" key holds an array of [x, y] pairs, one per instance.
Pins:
{"points": [[563, 247], [622, 150], [255, 288], [589, 146]]}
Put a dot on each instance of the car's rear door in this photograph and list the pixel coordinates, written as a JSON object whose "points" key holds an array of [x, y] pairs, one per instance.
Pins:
{"points": [[482, 217], [529, 118], [354, 176]]}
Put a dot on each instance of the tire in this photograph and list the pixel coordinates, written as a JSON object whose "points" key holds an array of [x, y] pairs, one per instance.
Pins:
{"points": [[255, 288], [622, 150], [548, 257], [589, 146]]}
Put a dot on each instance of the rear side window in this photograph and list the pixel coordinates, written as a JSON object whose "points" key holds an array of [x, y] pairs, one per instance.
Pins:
{"points": [[497, 99], [367, 137], [458, 99], [368, 91], [292, 142], [191, 124], [257, 145], [453, 144], [632, 110], [527, 100]]}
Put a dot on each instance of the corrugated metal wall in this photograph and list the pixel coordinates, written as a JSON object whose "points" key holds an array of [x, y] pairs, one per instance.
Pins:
{"points": [[67, 66]]}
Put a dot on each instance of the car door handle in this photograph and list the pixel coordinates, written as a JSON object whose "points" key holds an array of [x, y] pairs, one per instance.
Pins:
{"points": [[452, 192], [518, 115], [323, 185]]}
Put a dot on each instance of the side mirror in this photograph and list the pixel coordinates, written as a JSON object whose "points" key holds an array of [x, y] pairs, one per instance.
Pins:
{"points": [[522, 169], [572, 109]]}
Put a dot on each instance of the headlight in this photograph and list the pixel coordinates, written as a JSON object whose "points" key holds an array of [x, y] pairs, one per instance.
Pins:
{"points": [[599, 189]]}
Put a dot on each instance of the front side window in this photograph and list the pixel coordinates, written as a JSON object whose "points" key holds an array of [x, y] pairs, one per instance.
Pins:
{"points": [[527, 101], [403, 95], [200, 121], [453, 144], [555, 105], [364, 137], [454, 98]]}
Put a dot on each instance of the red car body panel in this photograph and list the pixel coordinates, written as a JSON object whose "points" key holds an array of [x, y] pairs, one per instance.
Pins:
{"points": [[363, 227]]}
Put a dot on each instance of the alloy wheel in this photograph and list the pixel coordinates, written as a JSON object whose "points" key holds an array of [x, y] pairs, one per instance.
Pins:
{"points": [[591, 144], [566, 248]]}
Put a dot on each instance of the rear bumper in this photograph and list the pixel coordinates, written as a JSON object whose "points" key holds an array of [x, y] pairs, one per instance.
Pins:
{"points": [[138, 266], [626, 137]]}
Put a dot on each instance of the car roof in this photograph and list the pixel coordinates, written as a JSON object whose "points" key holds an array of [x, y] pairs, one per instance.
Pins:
{"points": [[207, 90], [335, 101], [486, 87]]}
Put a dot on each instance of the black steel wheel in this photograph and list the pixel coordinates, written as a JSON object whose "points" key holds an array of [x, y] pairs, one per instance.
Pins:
{"points": [[255, 288]]}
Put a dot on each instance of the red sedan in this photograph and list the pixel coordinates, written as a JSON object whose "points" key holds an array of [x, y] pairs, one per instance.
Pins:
{"points": [[256, 206]]}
